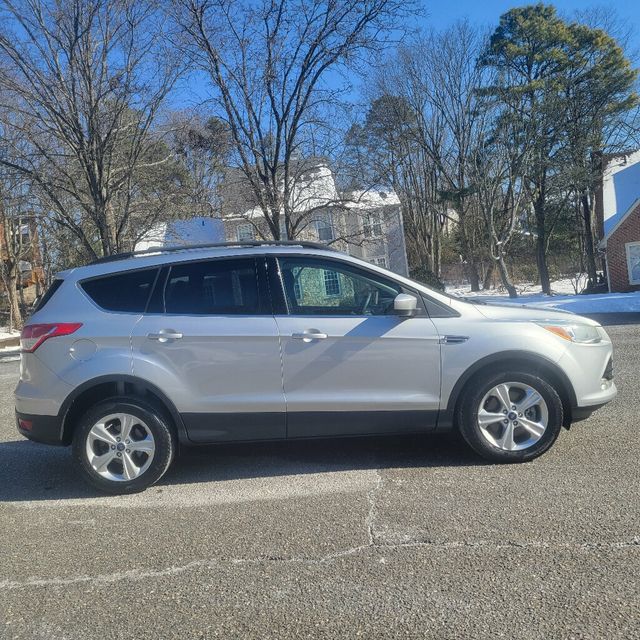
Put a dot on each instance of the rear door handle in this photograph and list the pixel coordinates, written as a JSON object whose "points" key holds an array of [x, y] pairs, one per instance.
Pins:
{"points": [[165, 335], [309, 335]]}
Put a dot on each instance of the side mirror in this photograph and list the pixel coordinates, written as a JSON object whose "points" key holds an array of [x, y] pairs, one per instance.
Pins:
{"points": [[405, 305]]}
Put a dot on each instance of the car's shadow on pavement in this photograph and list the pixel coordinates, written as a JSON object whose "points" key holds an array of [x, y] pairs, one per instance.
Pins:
{"points": [[34, 472]]}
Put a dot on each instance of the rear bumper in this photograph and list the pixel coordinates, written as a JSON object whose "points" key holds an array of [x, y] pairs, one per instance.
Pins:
{"points": [[44, 429]]}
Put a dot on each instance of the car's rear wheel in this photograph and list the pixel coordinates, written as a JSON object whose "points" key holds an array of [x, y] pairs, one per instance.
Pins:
{"points": [[511, 416], [123, 445]]}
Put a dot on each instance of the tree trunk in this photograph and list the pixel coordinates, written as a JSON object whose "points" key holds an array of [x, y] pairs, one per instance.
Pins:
{"points": [[541, 241], [23, 304], [469, 263], [504, 276], [472, 275], [592, 273], [488, 277], [437, 252], [12, 294]]}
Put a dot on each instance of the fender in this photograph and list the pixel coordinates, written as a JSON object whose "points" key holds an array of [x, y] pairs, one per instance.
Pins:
{"points": [[447, 415], [120, 379]]}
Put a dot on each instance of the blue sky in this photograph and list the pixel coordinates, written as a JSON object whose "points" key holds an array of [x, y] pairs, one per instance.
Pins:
{"points": [[489, 11], [442, 13]]}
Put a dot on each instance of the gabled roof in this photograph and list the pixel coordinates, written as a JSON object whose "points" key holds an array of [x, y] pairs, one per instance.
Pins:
{"points": [[635, 207]]}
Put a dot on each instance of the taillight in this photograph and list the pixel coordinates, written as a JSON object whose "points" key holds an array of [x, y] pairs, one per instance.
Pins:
{"points": [[33, 335]]}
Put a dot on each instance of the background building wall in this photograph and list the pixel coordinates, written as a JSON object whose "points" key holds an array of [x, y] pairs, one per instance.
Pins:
{"points": [[627, 232]]}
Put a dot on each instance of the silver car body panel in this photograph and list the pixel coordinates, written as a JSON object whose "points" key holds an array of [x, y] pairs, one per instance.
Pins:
{"points": [[253, 368]]}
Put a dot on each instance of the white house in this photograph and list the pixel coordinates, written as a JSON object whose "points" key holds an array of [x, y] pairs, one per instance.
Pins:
{"points": [[366, 224]]}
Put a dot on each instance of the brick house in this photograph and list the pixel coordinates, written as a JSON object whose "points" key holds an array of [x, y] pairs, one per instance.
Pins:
{"points": [[618, 213], [622, 245], [30, 262]]}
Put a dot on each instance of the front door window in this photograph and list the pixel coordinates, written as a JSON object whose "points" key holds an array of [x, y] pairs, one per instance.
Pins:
{"points": [[314, 286]]}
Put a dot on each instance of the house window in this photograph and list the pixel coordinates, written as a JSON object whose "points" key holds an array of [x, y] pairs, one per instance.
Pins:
{"points": [[372, 225], [633, 261], [331, 283], [380, 262], [325, 229], [245, 232]]}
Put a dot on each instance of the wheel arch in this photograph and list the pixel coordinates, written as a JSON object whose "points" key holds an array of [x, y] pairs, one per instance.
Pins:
{"points": [[532, 363], [102, 387]]}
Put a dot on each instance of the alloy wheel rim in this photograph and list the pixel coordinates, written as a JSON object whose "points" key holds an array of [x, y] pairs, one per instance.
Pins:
{"points": [[120, 447], [513, 416]]}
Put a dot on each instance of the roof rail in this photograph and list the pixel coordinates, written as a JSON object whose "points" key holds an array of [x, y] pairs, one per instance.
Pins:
{"points": [[213, 245]]}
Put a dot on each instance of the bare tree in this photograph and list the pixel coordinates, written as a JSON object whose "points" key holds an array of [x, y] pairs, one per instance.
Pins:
{"points": [[499, 193], [437, 75], [274, 66], [82, 82], [16, 247], [203, 145], [388, 148]]}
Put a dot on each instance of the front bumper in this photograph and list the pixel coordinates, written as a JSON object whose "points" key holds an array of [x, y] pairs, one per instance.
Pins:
{"points": [[44, 429], [589, 369], [582, 413]]}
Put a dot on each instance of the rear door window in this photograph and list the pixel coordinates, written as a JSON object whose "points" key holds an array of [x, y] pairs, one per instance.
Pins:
{"points": [[213, 287], [127, 291]]}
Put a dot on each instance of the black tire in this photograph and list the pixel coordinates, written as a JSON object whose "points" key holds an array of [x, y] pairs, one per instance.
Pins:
{"points": [[469, 405], [160, 428]]}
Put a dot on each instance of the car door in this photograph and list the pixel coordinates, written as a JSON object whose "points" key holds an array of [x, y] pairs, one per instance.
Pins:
{"points": [[210, 342], [350, 366]]}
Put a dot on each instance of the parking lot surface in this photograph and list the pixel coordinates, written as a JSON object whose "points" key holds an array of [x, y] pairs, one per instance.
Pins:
{"points": [[406, 537]]}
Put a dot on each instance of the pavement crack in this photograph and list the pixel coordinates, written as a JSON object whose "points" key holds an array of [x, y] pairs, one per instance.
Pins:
{"points": [[370, 521], [377, 544]]}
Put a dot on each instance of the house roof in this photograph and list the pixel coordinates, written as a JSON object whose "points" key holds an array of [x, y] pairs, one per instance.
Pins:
{"points": [[634, 208], [371, 199], [314, 188], [620, 186]]}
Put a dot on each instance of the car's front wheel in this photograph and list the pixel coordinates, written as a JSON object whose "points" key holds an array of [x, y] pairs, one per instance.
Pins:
{"points": [[123, 445], [510, 417]]}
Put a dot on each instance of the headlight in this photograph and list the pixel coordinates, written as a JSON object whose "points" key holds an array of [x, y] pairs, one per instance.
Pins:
{"points": [[580, 333]]}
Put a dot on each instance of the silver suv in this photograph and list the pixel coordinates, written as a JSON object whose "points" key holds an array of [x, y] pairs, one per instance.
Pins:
{"points": [[131, 355]]}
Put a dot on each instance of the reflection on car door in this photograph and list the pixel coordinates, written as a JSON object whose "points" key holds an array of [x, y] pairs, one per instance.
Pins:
{"points": [[211, 332], [350, 366]]}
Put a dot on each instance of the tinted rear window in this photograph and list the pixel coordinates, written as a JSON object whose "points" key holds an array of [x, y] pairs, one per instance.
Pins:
{"points": [[48, 294], [128, 291], [213, 287]]}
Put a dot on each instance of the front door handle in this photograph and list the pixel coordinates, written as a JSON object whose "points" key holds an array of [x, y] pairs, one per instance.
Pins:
{"points": [[309, 335], [165, 335]]}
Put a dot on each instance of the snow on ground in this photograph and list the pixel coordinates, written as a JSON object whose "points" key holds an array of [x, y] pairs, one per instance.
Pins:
{"points": [[564, 298], [565, 286], [5, 333]]}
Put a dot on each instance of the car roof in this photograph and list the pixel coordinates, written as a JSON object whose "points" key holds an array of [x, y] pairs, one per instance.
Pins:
{"points": [[172, 255]]}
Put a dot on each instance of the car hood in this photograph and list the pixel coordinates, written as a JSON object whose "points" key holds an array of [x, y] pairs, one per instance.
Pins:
{"points": [[522, 313]]}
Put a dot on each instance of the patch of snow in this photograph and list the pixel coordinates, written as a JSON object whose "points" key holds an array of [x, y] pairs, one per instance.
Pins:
{"points": [[564, 286], [5, 333], [371, 199], [569, 301], [11, 349]]}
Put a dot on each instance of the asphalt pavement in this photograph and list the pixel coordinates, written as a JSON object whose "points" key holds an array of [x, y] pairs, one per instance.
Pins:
{"points": [[412, 537]]}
